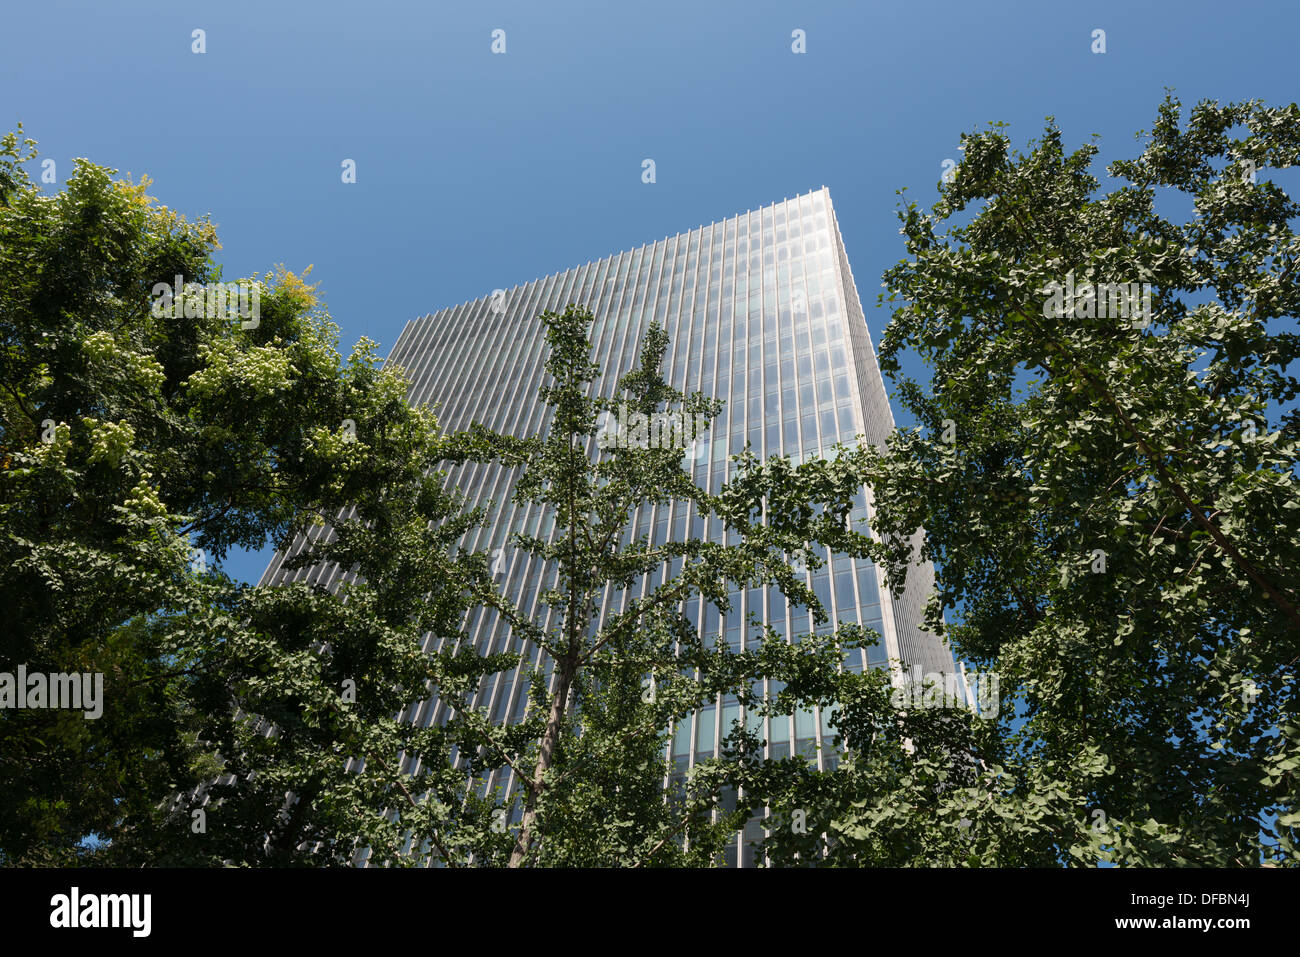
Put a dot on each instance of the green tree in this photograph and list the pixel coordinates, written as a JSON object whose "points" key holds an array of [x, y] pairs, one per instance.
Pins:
{"points": [[592, 770], [1111, 493], [140, 440]]}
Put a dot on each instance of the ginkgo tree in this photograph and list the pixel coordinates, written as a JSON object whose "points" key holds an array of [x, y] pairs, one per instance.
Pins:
{"points": [[142, 437], [591, 787], [1110, 492]]}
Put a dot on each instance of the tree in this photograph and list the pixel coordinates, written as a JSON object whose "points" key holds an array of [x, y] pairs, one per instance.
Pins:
{"points": [[1106, 475], [592, 775], [148, 425]]}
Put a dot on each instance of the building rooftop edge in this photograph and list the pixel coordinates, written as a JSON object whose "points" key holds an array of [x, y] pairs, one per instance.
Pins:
{"points": [[622, 252]]}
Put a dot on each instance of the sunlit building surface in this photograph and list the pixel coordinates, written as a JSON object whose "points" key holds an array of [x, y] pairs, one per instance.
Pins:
{"points": [[763, 313]]}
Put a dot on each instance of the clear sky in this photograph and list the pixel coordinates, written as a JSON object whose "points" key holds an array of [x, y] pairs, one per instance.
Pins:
{"points": [[477, 170]]}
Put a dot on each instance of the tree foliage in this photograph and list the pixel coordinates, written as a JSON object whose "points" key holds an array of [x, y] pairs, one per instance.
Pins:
{"points": [[138, 445], [593, 783], [1110, 500], [1115, 508]]}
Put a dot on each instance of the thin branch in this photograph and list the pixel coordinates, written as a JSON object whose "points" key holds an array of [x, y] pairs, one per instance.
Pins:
{"points": [[433, 835]]}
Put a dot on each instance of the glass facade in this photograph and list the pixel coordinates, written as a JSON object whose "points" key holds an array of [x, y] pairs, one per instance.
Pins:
{"points": [[762, 312]]}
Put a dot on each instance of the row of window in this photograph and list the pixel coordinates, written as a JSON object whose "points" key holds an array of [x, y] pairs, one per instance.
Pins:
{"points": [[755, 316]]}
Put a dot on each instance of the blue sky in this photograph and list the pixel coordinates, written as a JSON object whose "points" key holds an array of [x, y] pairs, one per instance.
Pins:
{"points": [[477, 171]]}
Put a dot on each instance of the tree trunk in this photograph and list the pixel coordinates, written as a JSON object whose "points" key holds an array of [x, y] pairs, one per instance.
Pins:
{"points": [[545, 757]]}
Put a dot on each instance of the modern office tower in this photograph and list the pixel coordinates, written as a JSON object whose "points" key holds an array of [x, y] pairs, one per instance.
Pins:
{"points": [[762, 311]]}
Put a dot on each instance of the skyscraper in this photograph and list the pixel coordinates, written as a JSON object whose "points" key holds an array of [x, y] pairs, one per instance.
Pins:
{"points": [[762, 312]]}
